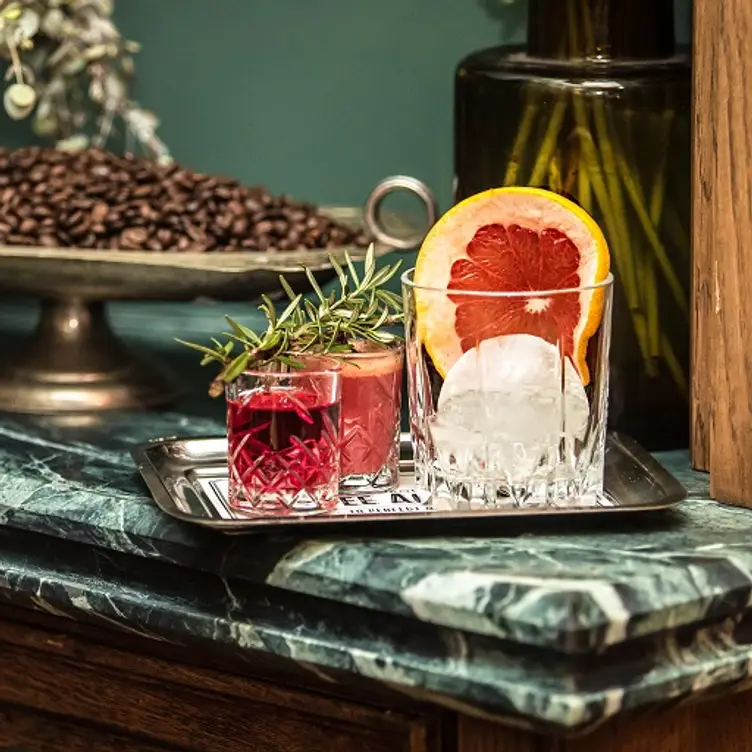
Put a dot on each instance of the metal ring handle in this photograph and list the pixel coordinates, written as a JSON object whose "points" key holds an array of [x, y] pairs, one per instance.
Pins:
{"points": [[372, 210]]}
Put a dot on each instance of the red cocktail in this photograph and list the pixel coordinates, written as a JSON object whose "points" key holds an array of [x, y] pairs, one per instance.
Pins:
{"points": [[283, 431], [371, 396]]}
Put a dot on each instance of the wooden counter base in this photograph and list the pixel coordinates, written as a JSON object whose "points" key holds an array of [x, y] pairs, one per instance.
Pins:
{"points": [[68, 686]]}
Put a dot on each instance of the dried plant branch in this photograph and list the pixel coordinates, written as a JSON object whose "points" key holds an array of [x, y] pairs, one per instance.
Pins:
{"points": [[66, 55], [607, 180]]}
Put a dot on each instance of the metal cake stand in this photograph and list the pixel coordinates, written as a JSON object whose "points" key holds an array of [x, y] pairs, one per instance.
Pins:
{"points": [[75, 364]]}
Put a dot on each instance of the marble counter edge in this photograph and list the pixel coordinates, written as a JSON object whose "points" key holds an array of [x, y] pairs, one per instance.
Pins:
{"points": [[281, 568], [450, 667], [47, 504]]}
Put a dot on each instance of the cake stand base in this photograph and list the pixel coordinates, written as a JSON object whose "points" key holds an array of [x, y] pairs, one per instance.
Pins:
{"points": [[74, 363]]}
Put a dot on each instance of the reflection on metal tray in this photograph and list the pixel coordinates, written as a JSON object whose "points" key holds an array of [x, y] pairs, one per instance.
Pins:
{"points": [[188, 480]]}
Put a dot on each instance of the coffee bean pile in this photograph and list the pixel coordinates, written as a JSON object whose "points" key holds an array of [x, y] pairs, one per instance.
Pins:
{"points": [[95, 199]]}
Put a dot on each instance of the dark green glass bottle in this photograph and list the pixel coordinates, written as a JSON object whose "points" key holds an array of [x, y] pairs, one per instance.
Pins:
{"points": [[597, 106]]}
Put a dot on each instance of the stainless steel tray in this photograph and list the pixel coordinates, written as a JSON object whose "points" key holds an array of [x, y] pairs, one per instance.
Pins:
{"points": [[188, 480], [174, 275], [73, 363], [91, 275]]}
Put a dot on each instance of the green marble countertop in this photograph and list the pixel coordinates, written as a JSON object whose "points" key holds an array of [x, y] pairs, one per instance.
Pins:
{"points": [[557, 628]]}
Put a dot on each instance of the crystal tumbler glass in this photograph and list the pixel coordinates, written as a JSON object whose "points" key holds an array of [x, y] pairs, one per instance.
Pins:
{"points": [[371, 400], [283, 431], [508, 393]]}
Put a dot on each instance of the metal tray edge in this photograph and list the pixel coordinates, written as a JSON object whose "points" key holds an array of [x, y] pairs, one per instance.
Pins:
{"points": [[675, 493]]}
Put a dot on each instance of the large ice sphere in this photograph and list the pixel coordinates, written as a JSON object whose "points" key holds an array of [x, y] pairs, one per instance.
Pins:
{"points": [[506, 405]]}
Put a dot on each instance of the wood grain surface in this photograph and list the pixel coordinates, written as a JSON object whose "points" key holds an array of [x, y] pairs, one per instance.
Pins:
{"points": [[720, 725], [30, 731], [67, 686], [722, 237], [703, 247], [100, 696]]}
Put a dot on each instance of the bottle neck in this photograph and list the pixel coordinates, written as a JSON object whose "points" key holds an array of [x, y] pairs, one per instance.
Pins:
{"points": [[601, 29]]}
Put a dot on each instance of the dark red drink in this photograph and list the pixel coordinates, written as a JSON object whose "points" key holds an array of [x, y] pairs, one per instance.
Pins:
{"points": [[283, 450]]}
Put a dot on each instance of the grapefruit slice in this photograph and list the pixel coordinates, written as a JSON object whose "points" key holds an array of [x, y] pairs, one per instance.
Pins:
{"points": [[510, 240]]}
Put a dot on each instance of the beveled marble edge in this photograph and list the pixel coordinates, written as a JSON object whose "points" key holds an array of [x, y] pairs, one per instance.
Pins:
{"points": [[577, 592], [471, 673], [539, 590]]}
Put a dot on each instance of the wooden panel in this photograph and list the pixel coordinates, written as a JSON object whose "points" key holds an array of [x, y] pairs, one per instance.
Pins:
{"points": [[91, 696], [722, 353], [474, 735], [724, 725], [26, 730], [703, 168], [721, 725], [34, 628], [667, 732], [174, 704]]}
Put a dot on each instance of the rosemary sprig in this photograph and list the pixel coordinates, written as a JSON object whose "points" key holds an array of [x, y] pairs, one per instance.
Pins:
{"points": [[342, 321]]}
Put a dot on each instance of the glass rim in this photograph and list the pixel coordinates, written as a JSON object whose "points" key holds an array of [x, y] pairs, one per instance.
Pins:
{"points": [[329, 366], [386, 350], [406, 279]]}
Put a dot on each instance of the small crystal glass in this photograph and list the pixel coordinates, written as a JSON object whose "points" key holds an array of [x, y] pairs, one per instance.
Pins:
{"points": [[283, 431], [371, 400], [508, 393]]}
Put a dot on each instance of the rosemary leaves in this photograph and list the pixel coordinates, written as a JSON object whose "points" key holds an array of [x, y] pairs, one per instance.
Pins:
{"points": [[356, 315]]}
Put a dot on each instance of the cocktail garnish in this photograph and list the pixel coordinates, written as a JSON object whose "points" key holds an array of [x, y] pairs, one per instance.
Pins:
{"points": [[359, 312]]}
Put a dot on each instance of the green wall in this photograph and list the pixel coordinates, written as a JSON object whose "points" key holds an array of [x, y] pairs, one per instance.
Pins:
{"points": [[318, 98]]}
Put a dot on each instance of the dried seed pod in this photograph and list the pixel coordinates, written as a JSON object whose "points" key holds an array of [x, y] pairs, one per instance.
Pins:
{"points": [[27, 25], [19, 100], [52, 22], [73, 144], [11, 12]]}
